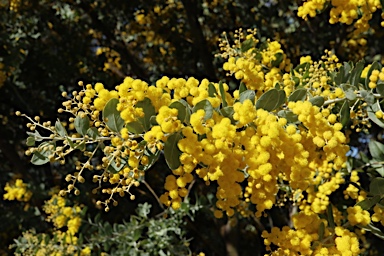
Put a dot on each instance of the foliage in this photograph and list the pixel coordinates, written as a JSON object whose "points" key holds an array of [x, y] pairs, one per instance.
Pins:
{"points": [[268, 129]]}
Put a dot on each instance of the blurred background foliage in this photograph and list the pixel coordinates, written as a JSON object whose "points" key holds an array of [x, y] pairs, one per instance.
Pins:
{"points": [[46, 47]]}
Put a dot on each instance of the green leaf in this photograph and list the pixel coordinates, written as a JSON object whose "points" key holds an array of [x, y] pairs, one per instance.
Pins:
{"points": [[289, 115], [376, 149], [317, 101], [302, 66], [151, 157], [321, 230], [211, 90], [369, 202], [149, 111], [368, 96], [374, 230], [228, 112], [380, 87], [345, 113], [377, 186], [372, 116], [80, 146], [375, 66], [339, 77], [298, 95], [93, 132], [271, 100], [330, 218], [349, 91], [82, 124], [246, 45], [356, 73], [379, 168], [183, 110], [60, 129], [222, 93], [172, 152], [111, 116], [36, 135], [207, 106], [30, 141], [40, 156], [113, 168], [247, 94], [279, 58], [242, 87], [135, 127]]}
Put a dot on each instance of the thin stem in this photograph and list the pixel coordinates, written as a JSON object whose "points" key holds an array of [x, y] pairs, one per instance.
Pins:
{"points": [[153, 193]]}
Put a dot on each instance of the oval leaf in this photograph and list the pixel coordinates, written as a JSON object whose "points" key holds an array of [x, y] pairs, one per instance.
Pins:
{"points": [[247, 95], [376, 149], [344, 113], [111, 116], [30, 141], [207, 106], [135, 127], [60, 129], [377, 186], [298, 95], [317, 101], [183, 109], [172, 152], [149, 111], [271, 100], [82, 124]]}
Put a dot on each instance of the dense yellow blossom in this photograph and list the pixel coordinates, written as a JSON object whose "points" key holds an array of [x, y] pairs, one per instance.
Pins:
{"points": [[18, 191]]}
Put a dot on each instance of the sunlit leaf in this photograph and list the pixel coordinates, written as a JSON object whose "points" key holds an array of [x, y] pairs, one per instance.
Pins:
{"points": [[271, 100], [247, 95]]}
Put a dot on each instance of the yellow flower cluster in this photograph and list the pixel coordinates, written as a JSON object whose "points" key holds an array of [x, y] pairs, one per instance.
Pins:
{"points": [[249, 65], [103, 96], [113, 58], [343, 11], [352, 191], [378, 215], [62, 215], [59, 242], [375, 77], [18, 191], [304, 238], [322, 134], [356, 216]]}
